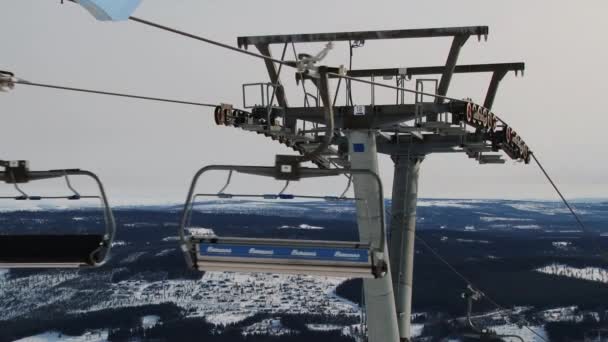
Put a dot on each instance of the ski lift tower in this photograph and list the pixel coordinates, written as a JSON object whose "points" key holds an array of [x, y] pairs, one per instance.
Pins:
{"points": [[433, 123]]}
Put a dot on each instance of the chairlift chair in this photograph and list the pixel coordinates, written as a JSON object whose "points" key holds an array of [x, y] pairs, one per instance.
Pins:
{"points": [[58, 250], [209, 252], [472, 295]]}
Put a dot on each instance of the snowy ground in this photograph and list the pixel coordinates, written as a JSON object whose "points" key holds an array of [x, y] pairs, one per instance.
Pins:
{"points": [[417, 329], [221, 298], [93, 336], [148, 322], [41, 290], [324, 327], [587, 273], [271, 326], [463, 204], [302, 226], [533, 334], [225, 298]]}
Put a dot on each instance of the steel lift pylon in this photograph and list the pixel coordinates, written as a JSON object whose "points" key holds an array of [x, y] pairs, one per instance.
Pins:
{"points": [[406, 131], [342, 139]]}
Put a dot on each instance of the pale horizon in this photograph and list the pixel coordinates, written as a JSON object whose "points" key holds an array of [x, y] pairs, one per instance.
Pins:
{"points": [[150, 151]]}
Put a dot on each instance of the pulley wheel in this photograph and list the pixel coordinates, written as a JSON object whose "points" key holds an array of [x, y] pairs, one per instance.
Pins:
{"points": [[217, 115]]}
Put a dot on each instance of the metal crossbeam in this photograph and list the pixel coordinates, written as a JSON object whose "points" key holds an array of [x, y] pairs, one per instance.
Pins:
{"points": [[469, 68], [434, 70], [431, 143], [364, 35], [377, 116]]}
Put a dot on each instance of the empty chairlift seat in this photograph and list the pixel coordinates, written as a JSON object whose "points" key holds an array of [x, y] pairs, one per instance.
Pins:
{"points": [[206, 251], [54, 250], [18, 251], [330, 258]]}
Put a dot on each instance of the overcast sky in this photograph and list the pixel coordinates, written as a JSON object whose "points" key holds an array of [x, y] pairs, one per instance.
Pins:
{"points": [[147, 151]]}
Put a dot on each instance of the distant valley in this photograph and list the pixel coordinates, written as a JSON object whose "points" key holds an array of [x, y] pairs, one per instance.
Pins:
{"points": [[528, 256]]}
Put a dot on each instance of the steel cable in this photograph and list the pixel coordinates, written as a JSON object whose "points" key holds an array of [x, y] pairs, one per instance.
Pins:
{"points": [[100, 92]]}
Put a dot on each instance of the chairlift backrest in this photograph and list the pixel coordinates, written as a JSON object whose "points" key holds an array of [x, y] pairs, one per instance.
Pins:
{"points": [[337, 258], [54, 250]]}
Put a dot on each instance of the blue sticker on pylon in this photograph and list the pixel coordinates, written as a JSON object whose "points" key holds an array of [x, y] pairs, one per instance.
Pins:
{"points": [[110, 10], [358, 147]]}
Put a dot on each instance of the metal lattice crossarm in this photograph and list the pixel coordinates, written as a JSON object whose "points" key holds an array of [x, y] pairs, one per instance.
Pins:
{"points": [[490, 129], [396, 119]]}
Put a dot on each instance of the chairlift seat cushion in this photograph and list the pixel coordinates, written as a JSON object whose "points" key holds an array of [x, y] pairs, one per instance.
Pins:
{"points": [[48, 249]]}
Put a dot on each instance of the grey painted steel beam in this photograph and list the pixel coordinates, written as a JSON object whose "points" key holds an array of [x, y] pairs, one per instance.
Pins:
{"points": [[450, 65], [274, 78], [433, 70], [273, 74], [497, 76], [364, 35], [467, 68], [430, 144], [446, 76], [378, 116], [499, 71], [379, 298], [403, 228]]}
